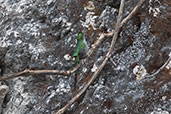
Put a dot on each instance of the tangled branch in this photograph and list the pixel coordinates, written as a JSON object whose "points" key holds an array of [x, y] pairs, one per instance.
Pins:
{"points": [[118, 27]]}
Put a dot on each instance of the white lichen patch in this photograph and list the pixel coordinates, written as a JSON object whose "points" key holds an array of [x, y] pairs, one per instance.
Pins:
{"points": [[32, 28], [99, 91], [19, 97], [49, 2], [164, 98], [94, 68], [84, 69], [89, 20], [18, 42], [36, 50], [60, 89], [68, 41], [154, 10], [63, 87], [66, 23], [53, 61], [53, 93], [108, 10], [19, 85], [120, 67], [67, 57], [140, 72], [16, 34], [18, 7], [21, 4], [4, 42], [63, 21], [160, 111], [90, 6]]}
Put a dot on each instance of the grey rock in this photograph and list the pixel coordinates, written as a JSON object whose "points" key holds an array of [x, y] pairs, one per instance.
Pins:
{"points": [[3, 92], [37, 34]]}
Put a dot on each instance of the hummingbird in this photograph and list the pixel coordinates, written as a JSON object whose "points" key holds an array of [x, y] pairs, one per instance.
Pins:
{"points": [[80, 53]]}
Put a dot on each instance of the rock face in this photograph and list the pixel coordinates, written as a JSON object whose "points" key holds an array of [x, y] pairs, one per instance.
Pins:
{"points": [[3, 92], [37, 34]]}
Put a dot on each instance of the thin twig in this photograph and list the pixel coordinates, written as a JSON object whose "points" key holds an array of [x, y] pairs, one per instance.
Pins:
{"points": [[34, 72], [161, 68], [113, 62], [133, 12], [62, 110]]}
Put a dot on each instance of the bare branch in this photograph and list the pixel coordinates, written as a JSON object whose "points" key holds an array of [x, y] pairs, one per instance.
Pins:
{"points": [[113, 62], [141, 72], [161, 68], [34, 72], [133, 12]]}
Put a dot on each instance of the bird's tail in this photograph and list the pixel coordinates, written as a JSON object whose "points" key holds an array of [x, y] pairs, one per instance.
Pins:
{"points": [[75, 81], [76, 73]]}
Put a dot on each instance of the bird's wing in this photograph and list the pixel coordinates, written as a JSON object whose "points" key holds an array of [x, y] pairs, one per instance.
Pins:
{"points": [[76, 52]]}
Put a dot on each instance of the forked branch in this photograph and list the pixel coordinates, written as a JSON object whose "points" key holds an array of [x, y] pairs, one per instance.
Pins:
{"points": [[118, 27], [62, 110]]}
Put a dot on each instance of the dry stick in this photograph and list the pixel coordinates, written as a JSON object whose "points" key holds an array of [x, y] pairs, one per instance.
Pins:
{"points": [[125, 20], [59, 72], [113, 62], [62, 110], [161, 68], [34, 72]]}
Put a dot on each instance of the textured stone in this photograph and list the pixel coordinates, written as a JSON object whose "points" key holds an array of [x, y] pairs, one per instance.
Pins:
{"points": [[3, 92], [38, 34]]}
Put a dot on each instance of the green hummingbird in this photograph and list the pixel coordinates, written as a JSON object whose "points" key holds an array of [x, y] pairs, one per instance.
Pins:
{"points": [[80, 52]]}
